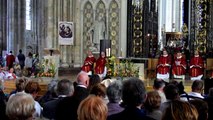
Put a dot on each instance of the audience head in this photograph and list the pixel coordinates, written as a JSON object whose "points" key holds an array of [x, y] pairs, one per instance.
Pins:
{"points": [[197, 86], [211, 92], [30, 54], [65, 87], [180, 110], [20, 51], [92, 108], [20, 84], [159, 84], [94, 79], [202, 108], [171, 92], [99, 90], [83, 79], [133, 92], [11, 70], [114, 92], [20, 107], [32, 88], [153, 101]]}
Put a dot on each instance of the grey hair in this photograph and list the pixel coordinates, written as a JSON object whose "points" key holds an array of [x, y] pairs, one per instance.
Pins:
{"points": [[211, 92], [65, 87], [114, 91]]}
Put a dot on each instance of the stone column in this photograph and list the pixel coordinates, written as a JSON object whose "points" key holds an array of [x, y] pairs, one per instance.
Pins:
{"points": [[10, 25], [49, 29], [123, 28]]}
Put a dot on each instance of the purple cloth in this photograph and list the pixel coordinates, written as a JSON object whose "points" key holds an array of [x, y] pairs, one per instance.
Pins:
{"points": [[114, 108]]}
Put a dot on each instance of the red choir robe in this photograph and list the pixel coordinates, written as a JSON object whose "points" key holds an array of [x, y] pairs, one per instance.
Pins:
{"points": [[196, 66], [100, 65], [88, 64], [179, 66], [164, 64]]}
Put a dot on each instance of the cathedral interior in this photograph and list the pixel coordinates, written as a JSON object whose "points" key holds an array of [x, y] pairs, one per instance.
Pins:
{"points": [[135, 28]]}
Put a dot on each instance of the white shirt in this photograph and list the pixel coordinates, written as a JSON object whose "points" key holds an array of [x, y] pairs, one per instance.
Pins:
{"points": [[194, 94], [29, 62]]}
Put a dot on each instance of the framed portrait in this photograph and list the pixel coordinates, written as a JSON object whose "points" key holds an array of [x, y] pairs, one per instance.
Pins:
{"points": [[65, 33]]}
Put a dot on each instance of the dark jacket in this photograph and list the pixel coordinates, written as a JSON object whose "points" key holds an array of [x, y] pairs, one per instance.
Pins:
{"points": [[130, 114], [67, 108]]}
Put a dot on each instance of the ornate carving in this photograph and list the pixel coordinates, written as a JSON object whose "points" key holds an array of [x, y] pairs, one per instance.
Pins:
{"points": [[114, 26]]}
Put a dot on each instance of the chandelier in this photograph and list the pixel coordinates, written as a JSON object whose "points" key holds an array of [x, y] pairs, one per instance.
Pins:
{"points": [[137, 3]]}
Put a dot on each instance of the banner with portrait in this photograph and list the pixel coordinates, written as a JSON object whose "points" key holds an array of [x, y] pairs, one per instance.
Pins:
{"points": [[65, 33]]}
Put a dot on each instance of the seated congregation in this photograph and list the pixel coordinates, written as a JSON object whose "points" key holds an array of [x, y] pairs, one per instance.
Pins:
{"points": [[90, 98]]}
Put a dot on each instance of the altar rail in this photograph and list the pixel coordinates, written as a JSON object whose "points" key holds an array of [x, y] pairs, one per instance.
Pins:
{"points": [[10, 85]]}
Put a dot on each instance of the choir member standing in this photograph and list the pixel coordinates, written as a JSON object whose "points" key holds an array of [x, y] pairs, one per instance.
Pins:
{"points": [[88, 63], [163, 67], [100, 67], [196, 67], [179, 66]]}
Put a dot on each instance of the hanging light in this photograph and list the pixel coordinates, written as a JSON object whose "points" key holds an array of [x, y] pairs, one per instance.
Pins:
{"points": [[137, 3]]}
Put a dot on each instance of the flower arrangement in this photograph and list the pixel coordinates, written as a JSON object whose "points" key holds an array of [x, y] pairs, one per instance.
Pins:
{"points": [[121, 68], [47, 68]]}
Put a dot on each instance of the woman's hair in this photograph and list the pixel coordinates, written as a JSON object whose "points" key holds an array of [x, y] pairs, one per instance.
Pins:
{"points": [[94, 79], [20, 84], [20, 106], [99, 90], [202, 108], [114, 91], [32, 87], [153, 101], [92, 108], [180, 110]]}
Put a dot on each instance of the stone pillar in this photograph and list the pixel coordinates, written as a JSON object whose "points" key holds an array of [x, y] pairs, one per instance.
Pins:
{"points": [[10, 25], [123, 28], [3, 25]]}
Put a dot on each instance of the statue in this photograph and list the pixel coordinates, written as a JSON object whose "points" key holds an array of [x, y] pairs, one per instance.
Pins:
{"points": [[97, 32]]}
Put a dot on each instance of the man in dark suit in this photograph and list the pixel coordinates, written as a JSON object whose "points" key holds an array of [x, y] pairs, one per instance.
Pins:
{"points": [[64, 89], [134, 93], [67, 108]]}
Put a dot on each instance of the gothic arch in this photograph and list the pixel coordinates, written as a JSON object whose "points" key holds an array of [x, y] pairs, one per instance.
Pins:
{"points": [[114, 26], [88, 20]]}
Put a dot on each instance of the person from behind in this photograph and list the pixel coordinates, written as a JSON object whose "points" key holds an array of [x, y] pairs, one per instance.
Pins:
{"points": [[21, 106], [64, 89], [94, 79], [133, 96], [172, 93], [202, 108], [209, 100], [29, 63], [33, 88], [99, 90], [159, 86], [180, 110], [20, 86], [92, 108], [197, 89], [70, 105], [152, 105], [114, 96], [21, 59], [10, 58], [3, 115]]}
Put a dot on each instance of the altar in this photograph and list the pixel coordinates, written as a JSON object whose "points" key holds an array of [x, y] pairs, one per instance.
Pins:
{"points": [[127, 67]]}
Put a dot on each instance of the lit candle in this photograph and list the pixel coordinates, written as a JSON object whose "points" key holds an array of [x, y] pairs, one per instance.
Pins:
{"points": [[109, 52]]}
